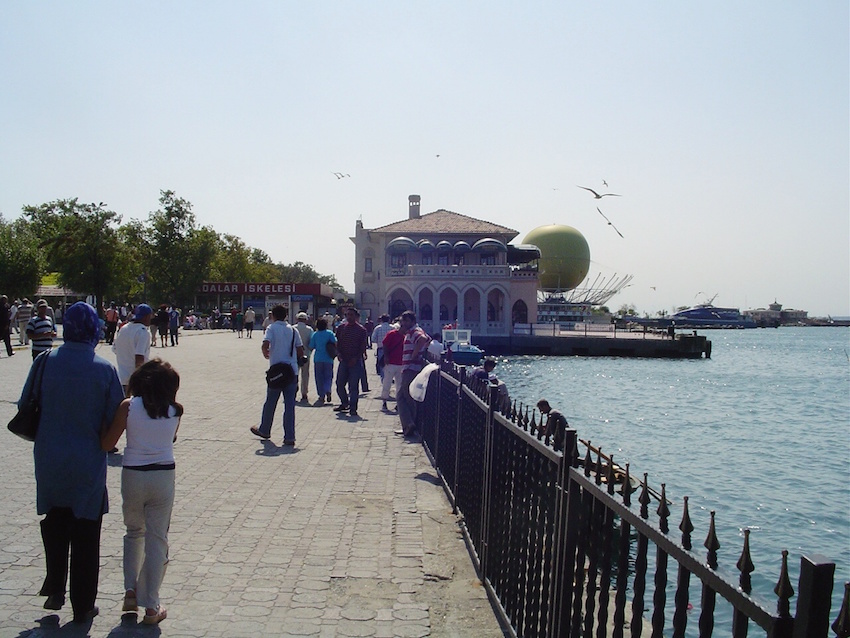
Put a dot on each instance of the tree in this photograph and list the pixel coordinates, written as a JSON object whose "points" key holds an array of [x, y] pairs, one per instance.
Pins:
{"points": [[299, 273], [178, 254], [20, 266], [626, 309], [79, 242]]}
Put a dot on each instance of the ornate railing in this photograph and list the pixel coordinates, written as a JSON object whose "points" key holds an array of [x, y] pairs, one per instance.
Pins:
{"points": [[563, 550]]}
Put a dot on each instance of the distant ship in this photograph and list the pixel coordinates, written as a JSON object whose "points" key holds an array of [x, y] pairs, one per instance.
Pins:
{"points": [[709, 316]]}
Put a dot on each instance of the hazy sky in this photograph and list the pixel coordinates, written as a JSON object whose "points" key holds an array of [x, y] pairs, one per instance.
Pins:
{"points": [[724, 126]]}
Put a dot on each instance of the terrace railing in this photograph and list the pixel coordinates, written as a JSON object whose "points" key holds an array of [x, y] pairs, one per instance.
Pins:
{"points": [[563, 550]]}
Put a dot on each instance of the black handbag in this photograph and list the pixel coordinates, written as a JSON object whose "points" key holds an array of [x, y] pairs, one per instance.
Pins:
{"points": [[281, 375], [25, 422]]}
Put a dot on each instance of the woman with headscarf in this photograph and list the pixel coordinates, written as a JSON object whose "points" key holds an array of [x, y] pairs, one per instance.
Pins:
{"points": [[79, 395]]}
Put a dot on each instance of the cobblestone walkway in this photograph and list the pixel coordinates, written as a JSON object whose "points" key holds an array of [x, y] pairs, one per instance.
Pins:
{"points": [[347, 534]]}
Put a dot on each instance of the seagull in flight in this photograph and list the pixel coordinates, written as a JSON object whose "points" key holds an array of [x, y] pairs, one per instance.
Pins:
{"points": [[597, 195], [341, 175], [609, 222], [605, 183]]}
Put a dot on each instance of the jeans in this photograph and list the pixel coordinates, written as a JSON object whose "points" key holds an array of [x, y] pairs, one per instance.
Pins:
{"points": [[272, 395], [348, 383], [148, 500], [379, 366], [324, 377]]}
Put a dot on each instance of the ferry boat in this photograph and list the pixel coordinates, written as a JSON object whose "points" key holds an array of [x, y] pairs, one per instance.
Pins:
{"points": [[709, 316]]}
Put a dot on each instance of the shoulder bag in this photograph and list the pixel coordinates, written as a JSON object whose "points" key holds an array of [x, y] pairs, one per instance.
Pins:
{"points": [[281, 375], [25, 422]]}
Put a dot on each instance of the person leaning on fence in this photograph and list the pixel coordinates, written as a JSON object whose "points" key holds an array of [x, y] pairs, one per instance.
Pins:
{"points": [[415, 344], [556, 424]]}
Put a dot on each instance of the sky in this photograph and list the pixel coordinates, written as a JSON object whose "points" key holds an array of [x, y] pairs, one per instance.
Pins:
{"points": [[724, 126]]}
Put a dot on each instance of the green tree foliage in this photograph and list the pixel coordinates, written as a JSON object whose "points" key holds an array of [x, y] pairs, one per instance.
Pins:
{"points": [[79, 242], [626, 309], [299, 273], [235, 261], [178, 255], [20, 265]]}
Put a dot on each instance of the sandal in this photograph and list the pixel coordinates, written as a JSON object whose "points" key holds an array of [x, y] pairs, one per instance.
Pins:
{"points": [[130, 603], [155, 618]]}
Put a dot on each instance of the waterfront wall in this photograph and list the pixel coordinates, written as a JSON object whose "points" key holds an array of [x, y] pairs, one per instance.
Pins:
{"points": [[562, 549]]}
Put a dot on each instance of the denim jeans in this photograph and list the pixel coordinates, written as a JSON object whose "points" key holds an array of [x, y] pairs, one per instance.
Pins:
{"points": [[324, 377], [272, 396], [348, 383]]}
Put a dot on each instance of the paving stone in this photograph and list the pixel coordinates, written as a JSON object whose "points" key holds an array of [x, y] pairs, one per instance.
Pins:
{"points": [[327, 539]]}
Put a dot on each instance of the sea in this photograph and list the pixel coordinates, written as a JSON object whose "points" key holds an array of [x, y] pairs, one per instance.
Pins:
{"points": [[759, 433]]}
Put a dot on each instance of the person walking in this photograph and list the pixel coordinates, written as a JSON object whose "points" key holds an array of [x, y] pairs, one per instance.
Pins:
{"points": [[5, 323], [323, 361], [79, 394], [41, 330], [351, 351], [281, 344], [306, 332], [378, 335], [150, 418], [415, 344], [111, 317], [132, 346], [174, 325], [250, 315], [24, 316]]}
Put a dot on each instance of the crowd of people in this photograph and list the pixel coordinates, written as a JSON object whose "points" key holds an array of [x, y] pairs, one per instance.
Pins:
{"points": [[82, 422]]}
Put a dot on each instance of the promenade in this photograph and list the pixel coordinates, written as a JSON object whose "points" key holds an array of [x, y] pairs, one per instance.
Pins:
{"points": [[347, 534]]}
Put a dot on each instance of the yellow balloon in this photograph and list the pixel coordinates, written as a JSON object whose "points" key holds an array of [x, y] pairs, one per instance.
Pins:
{"points": [[565, 256]]}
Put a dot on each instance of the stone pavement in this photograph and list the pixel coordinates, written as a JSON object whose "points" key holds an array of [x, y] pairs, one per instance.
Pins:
{"points": [[346, 534]]}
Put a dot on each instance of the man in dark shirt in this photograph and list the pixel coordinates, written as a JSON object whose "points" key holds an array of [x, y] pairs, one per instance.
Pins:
{"points": [[5, 323], [556, 424], [351, 340]]}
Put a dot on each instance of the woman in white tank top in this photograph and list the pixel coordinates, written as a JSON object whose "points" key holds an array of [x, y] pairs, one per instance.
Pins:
{"points": [[150, 418]]}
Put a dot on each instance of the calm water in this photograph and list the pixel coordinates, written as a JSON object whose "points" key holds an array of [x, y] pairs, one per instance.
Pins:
{"points": [[760, 433]]}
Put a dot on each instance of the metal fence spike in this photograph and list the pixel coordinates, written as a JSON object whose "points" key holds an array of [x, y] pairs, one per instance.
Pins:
{"points": [[644, 499], [663, 511], [745, 565], [841, 626], [712, 544], [783, 589], [686, 526]]}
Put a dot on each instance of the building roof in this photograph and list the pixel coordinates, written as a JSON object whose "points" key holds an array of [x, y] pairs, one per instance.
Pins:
{"points": [[445, 222]]}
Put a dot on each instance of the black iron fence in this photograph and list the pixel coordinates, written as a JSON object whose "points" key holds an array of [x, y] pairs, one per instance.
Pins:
{"points": [[563, 549]]}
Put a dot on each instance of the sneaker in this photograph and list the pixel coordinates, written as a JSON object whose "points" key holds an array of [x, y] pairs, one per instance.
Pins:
{"points": [[384, 406], [289, 442], [353, 413], [341, 408], [328, 397]]}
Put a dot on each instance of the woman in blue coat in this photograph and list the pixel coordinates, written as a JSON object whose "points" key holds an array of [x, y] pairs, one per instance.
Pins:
{"points": [[79, 393]]}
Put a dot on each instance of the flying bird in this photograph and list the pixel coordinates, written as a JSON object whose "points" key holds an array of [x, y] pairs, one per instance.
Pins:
{"points": [[605, 183], [597, 195], [341, 175], [609, 222]]}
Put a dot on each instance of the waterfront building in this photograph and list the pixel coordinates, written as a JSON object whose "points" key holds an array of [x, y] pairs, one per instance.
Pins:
{"points": [[447, 268], [774, 316], [314, 299]]}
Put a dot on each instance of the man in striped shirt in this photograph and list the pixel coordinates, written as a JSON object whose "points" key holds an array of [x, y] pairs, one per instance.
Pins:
{"points": [[415, 344], [41, 330]]}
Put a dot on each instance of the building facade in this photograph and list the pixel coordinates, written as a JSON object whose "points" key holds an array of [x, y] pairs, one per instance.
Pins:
{"points": [[447, 268]]}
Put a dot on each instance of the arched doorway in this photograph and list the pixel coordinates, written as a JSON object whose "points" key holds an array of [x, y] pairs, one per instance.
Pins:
{"points": [[519, 313]]}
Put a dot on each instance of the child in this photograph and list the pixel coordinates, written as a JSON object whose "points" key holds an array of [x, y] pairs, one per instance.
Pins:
{"points": [[151, 417]]}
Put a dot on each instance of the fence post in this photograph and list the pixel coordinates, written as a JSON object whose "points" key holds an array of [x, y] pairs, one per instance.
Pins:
{"points": [[485, 482], [814, 597], [458, 420]]}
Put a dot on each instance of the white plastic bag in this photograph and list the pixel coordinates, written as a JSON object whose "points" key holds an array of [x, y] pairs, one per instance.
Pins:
{"points": [[419, 385]]}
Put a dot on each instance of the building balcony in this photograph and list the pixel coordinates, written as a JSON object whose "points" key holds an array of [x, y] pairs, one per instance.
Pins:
{"points": [[435, 271]]}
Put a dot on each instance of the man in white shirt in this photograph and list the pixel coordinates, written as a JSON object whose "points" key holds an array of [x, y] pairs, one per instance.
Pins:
{"points": [[132, 346], [281, 344]]}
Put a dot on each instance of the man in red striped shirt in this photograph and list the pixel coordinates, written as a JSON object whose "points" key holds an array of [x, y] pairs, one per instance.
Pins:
{"points": [[415, 344]]}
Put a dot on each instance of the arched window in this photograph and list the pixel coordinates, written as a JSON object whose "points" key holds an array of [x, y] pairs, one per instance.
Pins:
{"points": [[426, 312], [444, 312], [519, 313]]}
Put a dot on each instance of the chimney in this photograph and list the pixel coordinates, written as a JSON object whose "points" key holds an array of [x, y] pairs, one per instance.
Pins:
{"points": [[413, 207]]}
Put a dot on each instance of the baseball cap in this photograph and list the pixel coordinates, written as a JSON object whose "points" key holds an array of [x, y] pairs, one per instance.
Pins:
{"points": [[301, 315], [142, 310]]}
